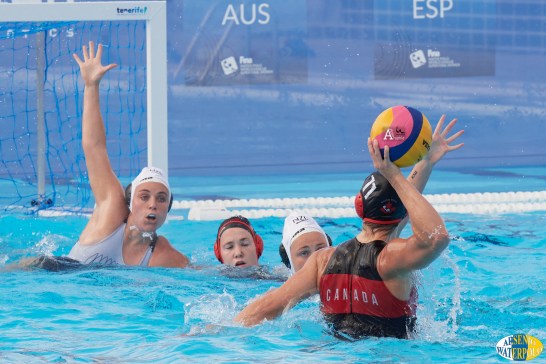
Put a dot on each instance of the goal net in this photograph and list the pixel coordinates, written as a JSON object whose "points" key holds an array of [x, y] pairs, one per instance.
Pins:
{"points": [[41, 94]]}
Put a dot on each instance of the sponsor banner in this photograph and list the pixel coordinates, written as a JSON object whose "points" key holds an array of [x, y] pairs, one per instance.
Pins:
{"points": [[431, 38], [243, 42]]}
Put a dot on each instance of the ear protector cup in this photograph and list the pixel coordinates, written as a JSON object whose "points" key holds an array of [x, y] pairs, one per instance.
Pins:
{"points": [[284, 256], [259, 243], [128, 194], [242, 222], [128, 197], [329, 240], [359, 205], [217, 251]]}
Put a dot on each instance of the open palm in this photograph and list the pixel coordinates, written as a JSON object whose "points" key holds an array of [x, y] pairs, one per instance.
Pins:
{"points": [[91, 67], [441, 143]]}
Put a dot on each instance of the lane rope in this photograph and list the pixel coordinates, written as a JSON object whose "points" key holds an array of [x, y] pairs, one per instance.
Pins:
{"points": [[334, 207], [340, 207]]}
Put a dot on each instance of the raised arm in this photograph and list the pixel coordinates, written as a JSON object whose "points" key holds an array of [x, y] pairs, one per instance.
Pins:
{"points": [[440, 146], [110, 209], [430, 236], [301, 285]]}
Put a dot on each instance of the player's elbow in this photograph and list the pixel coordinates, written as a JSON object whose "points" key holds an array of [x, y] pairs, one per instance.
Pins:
{"points": [[432, 240], [440, 241], [432, 249]]}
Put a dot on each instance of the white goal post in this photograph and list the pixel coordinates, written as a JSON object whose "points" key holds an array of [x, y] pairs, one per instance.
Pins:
{"points": [[155, 15]]}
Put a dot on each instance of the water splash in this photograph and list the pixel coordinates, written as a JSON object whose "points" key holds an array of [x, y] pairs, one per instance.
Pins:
{"points": [[438, 313], [456, 297], [48, 244], [437, 231], [210, 309], [161, 300]]}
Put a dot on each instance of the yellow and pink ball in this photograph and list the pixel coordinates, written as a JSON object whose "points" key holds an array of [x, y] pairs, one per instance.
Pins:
{"points": [[406, 131]]}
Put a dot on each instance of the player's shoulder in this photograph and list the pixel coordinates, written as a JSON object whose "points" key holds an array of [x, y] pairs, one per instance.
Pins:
{"points": [[322, 257]]}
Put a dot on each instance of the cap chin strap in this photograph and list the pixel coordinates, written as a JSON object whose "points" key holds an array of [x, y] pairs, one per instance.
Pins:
{"points": [[152, 235]]}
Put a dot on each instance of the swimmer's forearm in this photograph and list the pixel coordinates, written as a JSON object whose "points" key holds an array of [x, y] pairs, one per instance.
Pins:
{"points": [[298, 287], [418, 177], [441, 144], [420, 174], [93, 131], [101, 176], [276, 302], [258, 311]]}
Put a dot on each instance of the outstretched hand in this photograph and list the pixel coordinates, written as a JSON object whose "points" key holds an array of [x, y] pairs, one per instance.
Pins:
{"points": [[441, 143], [91, 67]]}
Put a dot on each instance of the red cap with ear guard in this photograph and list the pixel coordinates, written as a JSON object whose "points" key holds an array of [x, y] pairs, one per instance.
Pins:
{"points": [[243, 223], [378, 202]]}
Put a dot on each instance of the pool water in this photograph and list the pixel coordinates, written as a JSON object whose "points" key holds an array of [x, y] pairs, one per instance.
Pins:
{"points": [[488, 284]]}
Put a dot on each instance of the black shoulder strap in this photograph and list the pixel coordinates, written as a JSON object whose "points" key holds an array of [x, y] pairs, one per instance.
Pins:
{"points": [[154, 241]]}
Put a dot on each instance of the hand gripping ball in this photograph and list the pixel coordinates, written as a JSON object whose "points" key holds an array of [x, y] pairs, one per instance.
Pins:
{"points": [[406, 131]]}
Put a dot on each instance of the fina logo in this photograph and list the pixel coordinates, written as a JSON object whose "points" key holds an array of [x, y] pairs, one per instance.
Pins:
{"points": [[418, 58], [131, 11], [519, 347], [229, 65]]}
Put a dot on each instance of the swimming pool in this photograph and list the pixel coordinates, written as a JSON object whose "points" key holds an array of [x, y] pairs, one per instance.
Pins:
{"points": [[487, 285]]}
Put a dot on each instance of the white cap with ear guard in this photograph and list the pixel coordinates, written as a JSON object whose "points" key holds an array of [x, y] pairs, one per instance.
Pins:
{"points": [[295, 225], [148, 174]]}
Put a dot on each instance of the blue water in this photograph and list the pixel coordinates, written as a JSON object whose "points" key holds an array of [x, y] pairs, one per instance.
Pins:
{"points": [[487, 285]]}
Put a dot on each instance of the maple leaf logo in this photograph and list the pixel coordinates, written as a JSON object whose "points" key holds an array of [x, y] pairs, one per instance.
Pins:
{"points": [[388, 208]]}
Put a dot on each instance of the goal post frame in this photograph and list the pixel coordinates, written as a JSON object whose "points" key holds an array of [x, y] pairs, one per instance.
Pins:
{"points": [[155, 15]]}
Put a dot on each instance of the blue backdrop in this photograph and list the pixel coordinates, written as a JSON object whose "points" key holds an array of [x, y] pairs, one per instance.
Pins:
{"points": [[294, 86]]}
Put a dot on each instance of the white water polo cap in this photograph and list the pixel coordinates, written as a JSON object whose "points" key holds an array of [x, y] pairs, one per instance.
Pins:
{"points": [[295, 225], [149, 174]]}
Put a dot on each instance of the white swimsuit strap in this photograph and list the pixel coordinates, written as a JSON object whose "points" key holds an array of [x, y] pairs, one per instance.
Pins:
{"points": [[148, 255]]}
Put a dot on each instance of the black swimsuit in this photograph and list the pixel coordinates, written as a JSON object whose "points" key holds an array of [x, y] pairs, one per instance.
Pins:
{"points": [[355, 300]]}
